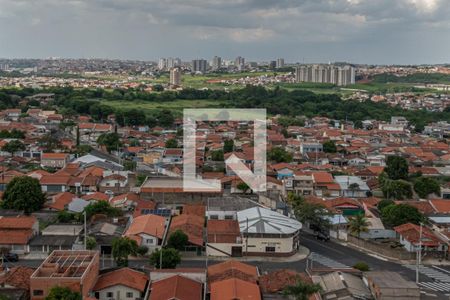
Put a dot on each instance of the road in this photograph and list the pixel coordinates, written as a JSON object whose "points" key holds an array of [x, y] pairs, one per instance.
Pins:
{"points": [[436, 281]]}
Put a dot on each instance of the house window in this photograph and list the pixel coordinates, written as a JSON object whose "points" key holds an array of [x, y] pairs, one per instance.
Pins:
{"points": [[214, 217], [228, 217], [129, 294], [97, 295], [38, 292], [270, 249], [109, 294], [149, 241]]}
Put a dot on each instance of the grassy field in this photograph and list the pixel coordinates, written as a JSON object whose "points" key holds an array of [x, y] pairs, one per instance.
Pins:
{"points": [[149, 107]]}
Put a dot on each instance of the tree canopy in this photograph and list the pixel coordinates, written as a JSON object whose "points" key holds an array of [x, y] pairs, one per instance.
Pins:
{"points": [[62, 293], [110, 140], [396, 167], [170, 258], [23, 193], [395, 215], [122, 248], [425, 186], [178, 240]]}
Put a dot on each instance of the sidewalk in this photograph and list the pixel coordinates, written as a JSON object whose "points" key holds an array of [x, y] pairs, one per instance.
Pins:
{"points": [[425, 260], [301, 254]]}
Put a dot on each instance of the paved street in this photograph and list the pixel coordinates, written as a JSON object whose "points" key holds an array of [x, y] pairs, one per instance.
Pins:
{"points": [[435, 281]]}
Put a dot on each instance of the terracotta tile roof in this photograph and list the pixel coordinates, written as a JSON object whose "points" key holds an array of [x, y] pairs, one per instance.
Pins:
{"points": [[60, 200], [440, 205], [191, 225], [54, 156], [149, 224], [423, 206], [124, 276], [194, 209], [223, 231], [18, 277], [322, 177], [232, 269], [277, 281], [55, 180], [176, 287], [231, 289], [411, 232], [18, 222], [143, 204], [96, 196], [15, 236]]}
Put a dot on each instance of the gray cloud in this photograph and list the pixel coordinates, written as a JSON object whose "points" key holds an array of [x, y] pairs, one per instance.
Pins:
{"points": [[372, 31]]}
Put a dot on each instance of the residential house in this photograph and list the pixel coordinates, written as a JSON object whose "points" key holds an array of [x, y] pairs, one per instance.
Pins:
{"points": [[54, 160], [233, 288], [147, 230], [16, 233], [176, 287], [386, 285], [124, 283], [352, 186], [409, 236], [341, 285], [15, 282], [224, 238]]}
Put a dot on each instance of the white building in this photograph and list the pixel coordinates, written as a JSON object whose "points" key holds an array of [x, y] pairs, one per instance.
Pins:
{"points": [[265, 232]]}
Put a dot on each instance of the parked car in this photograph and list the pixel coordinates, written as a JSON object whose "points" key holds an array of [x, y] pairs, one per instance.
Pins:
{"points": [[322, 236], [10, 257]]}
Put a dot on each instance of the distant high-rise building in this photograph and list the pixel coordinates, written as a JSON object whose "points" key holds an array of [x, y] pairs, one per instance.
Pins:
{"points": [[280, 63], [272, 64], [175, 76], [239, 62], [4, 67], [216, 63], [199, 65], [173, 62], [342, 75], [162, 64]]}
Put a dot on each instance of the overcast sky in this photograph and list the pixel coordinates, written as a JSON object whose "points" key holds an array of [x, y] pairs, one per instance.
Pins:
{"points": [[359, 31]]}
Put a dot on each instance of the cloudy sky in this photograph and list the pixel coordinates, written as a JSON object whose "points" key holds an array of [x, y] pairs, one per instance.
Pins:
{"points": [[359, 31]]}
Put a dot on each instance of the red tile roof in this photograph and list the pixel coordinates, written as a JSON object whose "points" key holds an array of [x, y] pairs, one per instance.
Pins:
{"points": [[125, 276], [223, 231], [232, 269], [231, 289], [191, 225], [411, 232], [149, 224], [176, 287]]}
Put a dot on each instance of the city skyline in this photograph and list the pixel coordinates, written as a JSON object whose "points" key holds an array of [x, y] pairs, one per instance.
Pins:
{"points": [[356, 31]]}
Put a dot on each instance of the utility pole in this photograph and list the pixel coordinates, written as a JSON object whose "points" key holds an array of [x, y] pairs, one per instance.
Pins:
{"points": [[85, 231]]}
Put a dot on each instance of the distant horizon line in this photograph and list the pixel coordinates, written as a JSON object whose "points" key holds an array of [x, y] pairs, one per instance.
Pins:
{"points": [[228, 59]]}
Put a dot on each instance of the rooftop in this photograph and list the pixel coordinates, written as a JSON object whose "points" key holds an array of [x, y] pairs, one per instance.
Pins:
{"points": [[266, 221]]}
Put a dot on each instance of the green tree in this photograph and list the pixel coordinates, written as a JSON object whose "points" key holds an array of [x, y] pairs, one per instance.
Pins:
{"points": [[23, 193], [278, 154], [329, 147], [13, 146], [243, 187], [396, 189], [396, 167], [171, 143], [122, 248], [395, 215], [358, 224], [170, 258], [384, 203], [62, 293], [425, 186], [302, 290], [217, 155], [178, 240], [110, 140], [228, 146], [91, 243], [142, 250], [101, 207], [307, 212], [362, 266], [49, 142]]}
